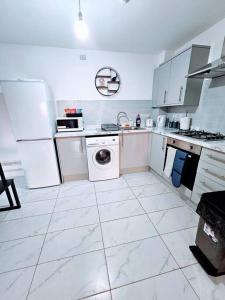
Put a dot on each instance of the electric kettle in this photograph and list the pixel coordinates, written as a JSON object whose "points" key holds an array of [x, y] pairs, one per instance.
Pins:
{"points": [[161, 121]]}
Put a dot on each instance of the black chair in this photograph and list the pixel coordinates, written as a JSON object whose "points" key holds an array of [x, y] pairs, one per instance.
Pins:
{"points": [[5, 184]]}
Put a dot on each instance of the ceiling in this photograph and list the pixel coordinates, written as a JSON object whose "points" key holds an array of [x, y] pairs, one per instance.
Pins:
{"points": [[144, 26]]}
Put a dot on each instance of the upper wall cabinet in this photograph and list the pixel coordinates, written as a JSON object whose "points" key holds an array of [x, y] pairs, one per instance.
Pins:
{"points": [[170, 85]]}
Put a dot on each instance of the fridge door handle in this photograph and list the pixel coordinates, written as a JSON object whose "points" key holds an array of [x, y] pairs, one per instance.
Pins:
{"points": [[34, 140]]}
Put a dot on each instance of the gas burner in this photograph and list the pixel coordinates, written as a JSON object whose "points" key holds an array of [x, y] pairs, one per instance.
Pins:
{"points": [[201, 135]]}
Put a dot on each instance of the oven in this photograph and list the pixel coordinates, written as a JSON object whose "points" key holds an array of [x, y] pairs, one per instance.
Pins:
{"points": [[191, 165], [70, 124]]}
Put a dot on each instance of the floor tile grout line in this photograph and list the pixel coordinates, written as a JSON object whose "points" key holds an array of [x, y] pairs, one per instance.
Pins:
{"points": [[104, 221], [122, 218], [64, 210], [189, 280], [22, 238], [97, 294], [173, 256], [108, 203], [135, 198], [144, 279], [69, 256], [152, 212], [44, 214], [17, 269], [29, 289], [169, 251], [107, 269], [26, 217], [74, 227], [36, 200], [87, 252]]}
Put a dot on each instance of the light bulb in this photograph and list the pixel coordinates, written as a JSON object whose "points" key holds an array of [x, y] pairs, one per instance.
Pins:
{"points": [[81, 28]]}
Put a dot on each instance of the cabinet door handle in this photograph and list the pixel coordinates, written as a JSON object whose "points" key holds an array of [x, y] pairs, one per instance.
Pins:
{"points": [[165, 93], [82, 145], [181, 92], [216, 159], [215, 175], [163, 144], [207, 186], [122, 138]]}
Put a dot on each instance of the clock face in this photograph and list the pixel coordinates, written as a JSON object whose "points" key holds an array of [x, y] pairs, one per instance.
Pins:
{"points": [[107, 81]]}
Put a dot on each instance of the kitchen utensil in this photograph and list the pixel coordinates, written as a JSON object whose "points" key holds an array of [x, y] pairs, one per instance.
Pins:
{"points": [[149, 123], [161, 121], [185, 123]]}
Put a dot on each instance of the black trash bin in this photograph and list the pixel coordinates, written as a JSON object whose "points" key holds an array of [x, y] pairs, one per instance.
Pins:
{"points": [[210, 239]]}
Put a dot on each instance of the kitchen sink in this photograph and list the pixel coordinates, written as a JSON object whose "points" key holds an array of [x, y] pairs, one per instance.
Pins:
{"points": [[132, 128]]}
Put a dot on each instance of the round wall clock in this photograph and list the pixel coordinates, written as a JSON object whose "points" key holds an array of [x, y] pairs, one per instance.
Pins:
{"points": [[107, 81]]}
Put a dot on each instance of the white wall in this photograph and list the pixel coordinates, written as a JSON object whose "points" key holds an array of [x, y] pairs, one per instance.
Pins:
{"points": [[7, 141], [73, 79], [213, 37]]}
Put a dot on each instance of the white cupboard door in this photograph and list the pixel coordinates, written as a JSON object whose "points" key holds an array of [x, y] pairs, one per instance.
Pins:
{"points": [[73, 157], [163, 83], [39, 162], [28, 107], [157, 153], [134, 151], [178, 81], [155, 88]]}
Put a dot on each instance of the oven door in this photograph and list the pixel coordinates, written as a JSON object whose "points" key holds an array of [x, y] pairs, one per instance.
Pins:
{"points": [[189, 172]]}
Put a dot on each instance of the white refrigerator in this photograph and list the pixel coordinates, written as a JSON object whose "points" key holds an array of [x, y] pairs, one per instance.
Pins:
{"points": [[32, 113]]}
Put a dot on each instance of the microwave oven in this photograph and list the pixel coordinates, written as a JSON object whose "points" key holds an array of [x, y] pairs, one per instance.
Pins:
{"points": [[69, 124]]}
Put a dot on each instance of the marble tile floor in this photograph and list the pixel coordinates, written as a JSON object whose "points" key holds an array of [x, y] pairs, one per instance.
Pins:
{"points": [[123, 239]]}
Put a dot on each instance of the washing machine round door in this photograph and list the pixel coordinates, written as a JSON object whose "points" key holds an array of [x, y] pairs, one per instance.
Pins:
{"points": [[103, 157]]}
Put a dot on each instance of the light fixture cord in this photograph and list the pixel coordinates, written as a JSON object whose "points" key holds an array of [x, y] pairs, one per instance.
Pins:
{"points": [[80, 15]]}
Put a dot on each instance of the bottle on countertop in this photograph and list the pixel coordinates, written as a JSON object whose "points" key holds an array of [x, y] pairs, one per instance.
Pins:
{"points": [[138, 121]]}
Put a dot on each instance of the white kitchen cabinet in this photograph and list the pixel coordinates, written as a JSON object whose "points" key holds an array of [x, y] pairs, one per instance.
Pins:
{"points": [[72, 158], [163, 83], [155, 88], [134, 152], [157, 153], [170, 83], [210, 174], [178, 81]]}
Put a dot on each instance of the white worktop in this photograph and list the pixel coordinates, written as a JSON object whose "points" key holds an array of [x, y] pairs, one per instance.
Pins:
{"points": [[98, 131], [214, 145]]}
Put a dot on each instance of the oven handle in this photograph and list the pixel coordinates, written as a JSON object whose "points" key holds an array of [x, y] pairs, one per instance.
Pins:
{"points": [[168, 145]]}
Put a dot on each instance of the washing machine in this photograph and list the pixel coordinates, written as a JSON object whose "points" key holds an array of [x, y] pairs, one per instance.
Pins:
{"points": [[103, 157]]}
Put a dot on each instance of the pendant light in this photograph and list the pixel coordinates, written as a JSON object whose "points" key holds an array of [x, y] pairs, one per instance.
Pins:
{"points": [[81, 28]]}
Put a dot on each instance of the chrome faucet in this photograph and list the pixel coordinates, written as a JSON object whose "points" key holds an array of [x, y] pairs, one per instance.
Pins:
{"points": [[121, 115]]}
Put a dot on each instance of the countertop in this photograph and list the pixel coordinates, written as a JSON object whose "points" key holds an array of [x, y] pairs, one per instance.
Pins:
{"points": [[168, 132]]}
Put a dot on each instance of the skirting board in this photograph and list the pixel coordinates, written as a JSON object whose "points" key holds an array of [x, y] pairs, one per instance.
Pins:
{"points": [[134, 170], [67, 178]]}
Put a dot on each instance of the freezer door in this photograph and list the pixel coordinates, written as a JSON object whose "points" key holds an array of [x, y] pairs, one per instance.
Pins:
{"points": [[29, 107], [39, 162]]}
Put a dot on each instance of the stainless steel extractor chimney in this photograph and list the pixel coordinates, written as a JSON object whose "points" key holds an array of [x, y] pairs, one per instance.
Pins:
{"points": [[212, 70]]}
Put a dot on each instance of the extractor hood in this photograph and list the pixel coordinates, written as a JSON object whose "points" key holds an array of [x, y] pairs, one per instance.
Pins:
{"points": [[212, 70]]}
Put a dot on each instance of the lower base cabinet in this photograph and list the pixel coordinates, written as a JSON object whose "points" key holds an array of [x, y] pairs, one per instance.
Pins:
{"points": [[210, 174], [72, 158], [157, 153], [134, 152]]}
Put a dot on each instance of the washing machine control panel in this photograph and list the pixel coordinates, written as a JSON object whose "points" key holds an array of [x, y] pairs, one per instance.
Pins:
{"points": [[102, 140]]}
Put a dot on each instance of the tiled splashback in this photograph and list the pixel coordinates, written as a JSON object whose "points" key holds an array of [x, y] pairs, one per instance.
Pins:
{"points": [[210, 114], [105, 111]]}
